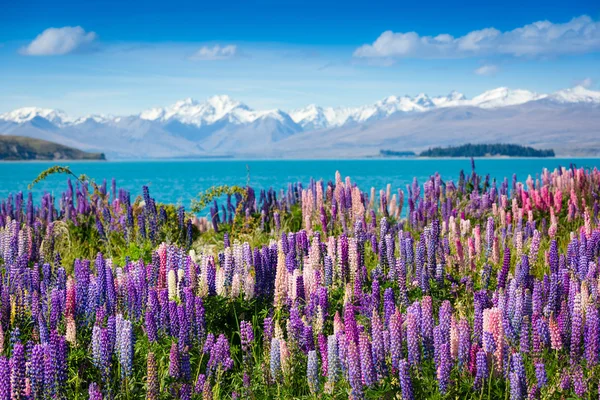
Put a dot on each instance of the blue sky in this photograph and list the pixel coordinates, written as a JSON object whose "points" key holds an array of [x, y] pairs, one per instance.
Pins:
{"points": [[123, 57]]}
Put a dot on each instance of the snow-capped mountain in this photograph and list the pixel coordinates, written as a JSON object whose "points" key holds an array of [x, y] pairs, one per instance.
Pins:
{"points": [[26, 114], [221, 125], [578, 94]]}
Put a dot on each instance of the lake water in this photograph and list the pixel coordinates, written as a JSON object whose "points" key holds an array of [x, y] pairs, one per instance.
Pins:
{"points": [[180, 181]]}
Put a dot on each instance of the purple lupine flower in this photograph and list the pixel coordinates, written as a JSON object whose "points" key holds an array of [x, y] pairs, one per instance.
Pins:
{"points": [[576, 325], [591, 338], [354, 373], [378, 345], [200, 383], [94, 392], [366, 360], [396, 338], [200, 319], [152, 383], [464, 342], [312, 372], [185, 368], [36, 371], [412, 335], [185, 392], [482, 369], [5, 389], [427, 326], [246, 338], [405, 381], [518, 369], [515, 387], [540, 374], [17, 373], [579, 385], [444, 367], [174, 361]]}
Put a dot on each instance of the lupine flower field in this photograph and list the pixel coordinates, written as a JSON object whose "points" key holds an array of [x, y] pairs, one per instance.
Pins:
{"points": [[464, 289]]}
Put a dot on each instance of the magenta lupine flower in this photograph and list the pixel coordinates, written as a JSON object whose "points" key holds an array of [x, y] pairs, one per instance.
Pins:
{"points": [[405, 381], [322, 342]]}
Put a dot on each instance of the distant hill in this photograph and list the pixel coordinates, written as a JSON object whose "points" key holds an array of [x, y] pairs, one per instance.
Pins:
{"points": [[13, 148], [486, 150], [394, 153]]}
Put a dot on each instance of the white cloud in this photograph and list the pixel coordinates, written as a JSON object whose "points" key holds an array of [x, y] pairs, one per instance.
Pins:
{"points": [[59, 41], [542, 38], [486, 70], [216, 52], [586, 83]]}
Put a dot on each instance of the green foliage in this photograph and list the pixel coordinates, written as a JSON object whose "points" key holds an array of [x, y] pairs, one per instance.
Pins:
{"points": [[485, 150]]}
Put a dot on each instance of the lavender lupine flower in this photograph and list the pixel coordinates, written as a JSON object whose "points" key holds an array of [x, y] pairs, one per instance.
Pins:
{"points": [[482, 369], [354, 372], [444, 367], [405, 381], [312, 372], [366, 360], [126, 349], [518, 369], [412, 336], [576, 324], [275, 359], [333, 361]]}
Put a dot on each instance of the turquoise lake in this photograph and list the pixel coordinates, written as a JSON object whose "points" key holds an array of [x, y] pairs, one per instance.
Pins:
{"points": [[180, 181]]}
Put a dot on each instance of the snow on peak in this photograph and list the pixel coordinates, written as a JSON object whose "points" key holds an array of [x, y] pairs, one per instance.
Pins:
{"points": [[577, 94], [503, 96], [22, 115], [190, 111]]}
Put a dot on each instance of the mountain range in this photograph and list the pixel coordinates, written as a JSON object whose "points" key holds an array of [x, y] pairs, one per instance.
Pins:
{"points": [[567, 121]]}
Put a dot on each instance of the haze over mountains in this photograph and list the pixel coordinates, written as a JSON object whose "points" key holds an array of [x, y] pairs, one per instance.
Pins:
{"points": [[567, 121]]}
